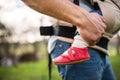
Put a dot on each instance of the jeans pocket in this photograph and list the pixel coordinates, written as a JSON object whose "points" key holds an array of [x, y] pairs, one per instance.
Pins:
{"points": [[59, 48]]}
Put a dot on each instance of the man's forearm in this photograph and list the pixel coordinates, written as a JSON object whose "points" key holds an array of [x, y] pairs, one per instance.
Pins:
{"points": [[88, 24], [64, 10]]}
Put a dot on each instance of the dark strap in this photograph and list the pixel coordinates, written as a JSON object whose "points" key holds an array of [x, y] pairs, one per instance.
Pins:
{"points": [[68, 32], [46, 30], [76, 2], [49, 66], [103, 42]]}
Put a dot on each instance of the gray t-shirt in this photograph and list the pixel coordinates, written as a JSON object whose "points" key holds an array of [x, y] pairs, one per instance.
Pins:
{"points": [[85, 4]]}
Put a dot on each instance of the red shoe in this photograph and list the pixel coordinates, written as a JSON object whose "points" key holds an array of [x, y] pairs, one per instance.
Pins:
{"points": [[72, 55]]}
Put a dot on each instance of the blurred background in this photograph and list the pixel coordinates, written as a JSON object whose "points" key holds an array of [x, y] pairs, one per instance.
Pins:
{"points": [[23, 51]]}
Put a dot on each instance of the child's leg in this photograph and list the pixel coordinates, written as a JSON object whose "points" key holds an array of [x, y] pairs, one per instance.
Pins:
{"points": [[79, 42], [76, 53]]}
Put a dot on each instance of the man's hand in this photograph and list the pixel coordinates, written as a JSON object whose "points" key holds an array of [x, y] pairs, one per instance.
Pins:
{"points": [[92, 28]]}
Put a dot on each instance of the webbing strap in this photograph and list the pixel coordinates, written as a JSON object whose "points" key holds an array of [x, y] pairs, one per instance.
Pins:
{"points": [[49, 66]]}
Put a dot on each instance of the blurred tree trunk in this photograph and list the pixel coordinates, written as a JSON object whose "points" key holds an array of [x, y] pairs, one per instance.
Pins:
{"points": [[5, 56], [35, 50]]}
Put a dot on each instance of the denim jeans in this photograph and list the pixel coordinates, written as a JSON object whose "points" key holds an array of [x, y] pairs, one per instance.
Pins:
{"points": [[97, 68]]}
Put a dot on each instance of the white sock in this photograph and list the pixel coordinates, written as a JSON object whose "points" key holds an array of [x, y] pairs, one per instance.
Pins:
{"points": [[79, 42]]}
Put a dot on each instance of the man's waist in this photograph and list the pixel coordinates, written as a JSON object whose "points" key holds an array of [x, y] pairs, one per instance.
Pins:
{"points": [[66, 34], [102, 45], [61, 30]]}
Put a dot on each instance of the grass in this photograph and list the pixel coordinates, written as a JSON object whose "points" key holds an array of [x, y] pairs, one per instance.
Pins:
{"points": [[115, 61], [28, 71], [39, 70]]}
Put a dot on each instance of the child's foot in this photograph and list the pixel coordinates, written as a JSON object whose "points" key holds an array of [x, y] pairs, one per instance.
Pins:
{"points": [[72, 55]]}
